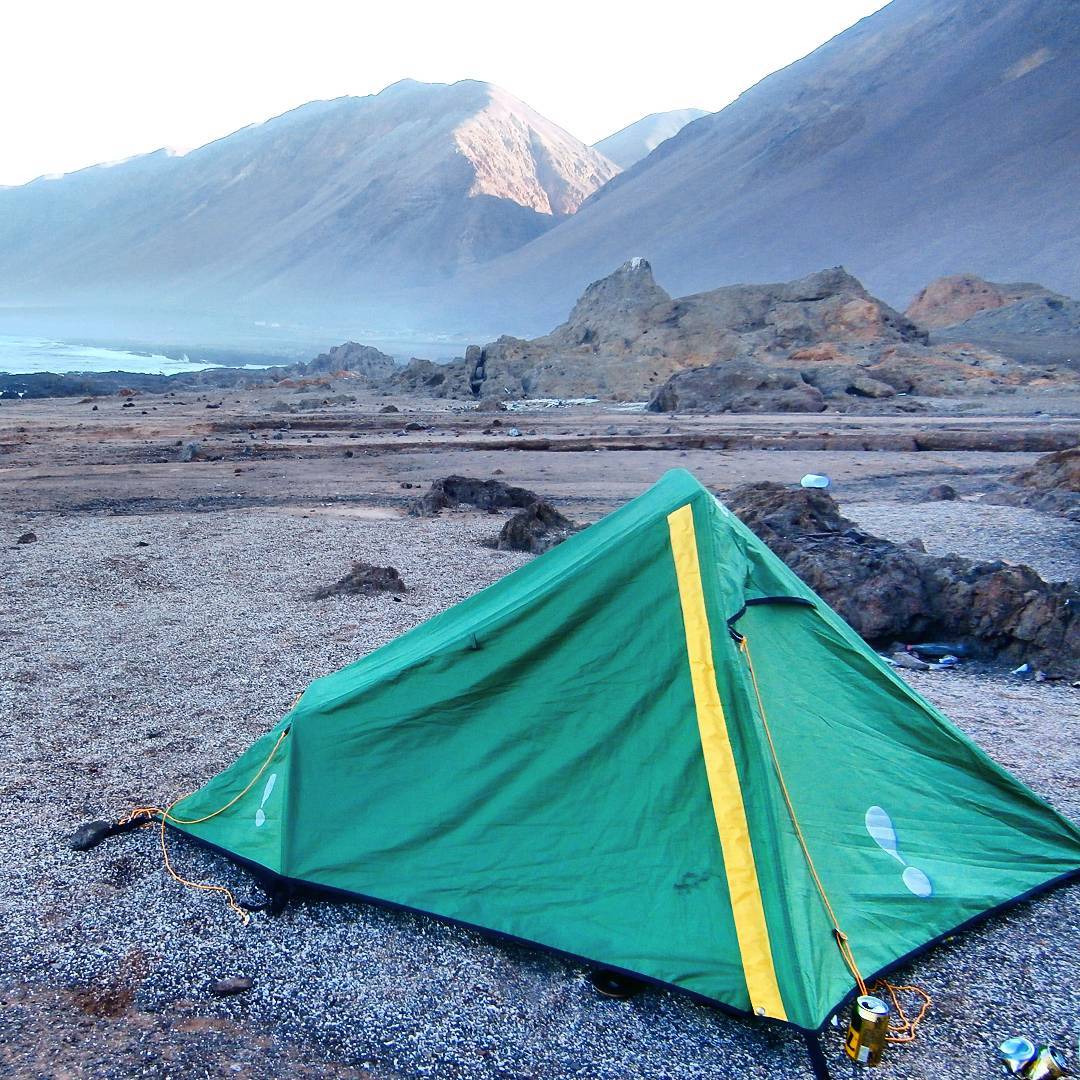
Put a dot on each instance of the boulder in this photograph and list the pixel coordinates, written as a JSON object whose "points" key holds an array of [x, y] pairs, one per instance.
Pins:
{"points": [[452, 491], [737, 387], [893, 592], [1059, 471], [365, 579], [1051, 484], [535, 529]]}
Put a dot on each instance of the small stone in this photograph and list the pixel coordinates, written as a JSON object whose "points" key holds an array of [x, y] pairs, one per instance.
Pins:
{"points": [[942, 493], [234, 984], [389, 409], [906, 660], [27, 538], [86, 836]]}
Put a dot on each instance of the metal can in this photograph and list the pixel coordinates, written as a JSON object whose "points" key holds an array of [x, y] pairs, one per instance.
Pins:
{"points": [[865, 1041], [1048, 1064], [1015, 1054]]}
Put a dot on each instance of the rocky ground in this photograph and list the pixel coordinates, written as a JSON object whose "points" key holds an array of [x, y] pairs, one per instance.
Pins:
{"points": [[163, 617]]}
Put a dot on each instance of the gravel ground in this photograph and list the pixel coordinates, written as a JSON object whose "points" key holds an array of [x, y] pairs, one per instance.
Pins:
{"points": [[1049, 544], [131, 673]]}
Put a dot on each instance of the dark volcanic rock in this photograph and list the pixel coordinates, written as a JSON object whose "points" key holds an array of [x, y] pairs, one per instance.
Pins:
{"points": [[234, 984], [893, 592], [537, 528], [737, 387], [27, 538], [90, 835], [1059, 471], [486, 494], [1051, 484], [364, 578], [942, 493]]}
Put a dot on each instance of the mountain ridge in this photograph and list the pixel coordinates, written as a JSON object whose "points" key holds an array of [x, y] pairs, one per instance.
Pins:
{"points": [[395, 189]]}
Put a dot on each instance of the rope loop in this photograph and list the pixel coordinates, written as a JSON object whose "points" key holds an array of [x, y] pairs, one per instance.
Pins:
{"points": [[151, 813]]}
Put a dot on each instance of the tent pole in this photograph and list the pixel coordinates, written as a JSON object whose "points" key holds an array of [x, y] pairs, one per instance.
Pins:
{"points": [[817, 1057]]}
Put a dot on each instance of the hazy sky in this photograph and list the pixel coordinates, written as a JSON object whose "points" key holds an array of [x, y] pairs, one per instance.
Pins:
{"points": [[83, 81]]}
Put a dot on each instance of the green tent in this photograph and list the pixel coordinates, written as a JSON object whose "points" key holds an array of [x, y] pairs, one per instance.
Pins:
{"points": [[645, 749]]}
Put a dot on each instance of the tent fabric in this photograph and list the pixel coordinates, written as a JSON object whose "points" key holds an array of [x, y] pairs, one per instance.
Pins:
{"points": [[576, 757]]}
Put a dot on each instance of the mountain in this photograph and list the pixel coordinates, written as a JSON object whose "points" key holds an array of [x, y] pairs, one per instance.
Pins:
{"points": [[639, 139], [932, 137], [327, 202]]}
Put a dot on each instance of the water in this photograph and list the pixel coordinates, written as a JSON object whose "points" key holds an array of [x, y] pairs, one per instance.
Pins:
{"points": [[24, 356]]}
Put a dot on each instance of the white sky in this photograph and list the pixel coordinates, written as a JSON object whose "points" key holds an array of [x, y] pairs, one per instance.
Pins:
{"points": [[83, 81]]}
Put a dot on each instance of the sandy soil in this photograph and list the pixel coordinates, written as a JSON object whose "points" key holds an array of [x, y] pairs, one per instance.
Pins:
{"points": [[161, 621]]}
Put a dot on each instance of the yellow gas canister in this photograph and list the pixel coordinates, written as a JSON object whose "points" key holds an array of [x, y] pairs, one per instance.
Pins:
{"points": [[866, 1033]]}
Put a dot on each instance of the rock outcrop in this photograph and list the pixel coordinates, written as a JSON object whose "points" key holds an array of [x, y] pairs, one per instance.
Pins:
{"points": [[894, 592], [951, 300], [1036, 316], [1059, 472], [352, 357], [788, 346], [1051, 484]]}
